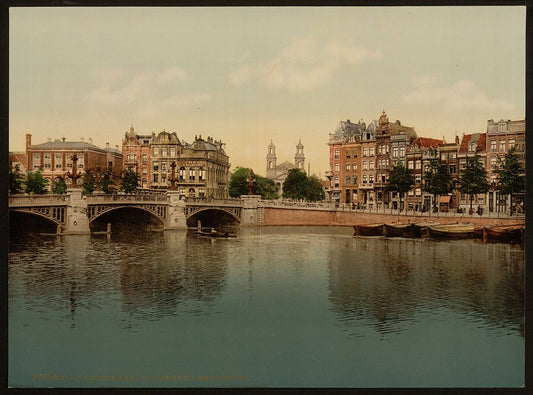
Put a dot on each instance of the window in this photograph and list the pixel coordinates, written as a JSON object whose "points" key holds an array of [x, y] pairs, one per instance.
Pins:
{"points": [[192, 174], [365, 151], [337, 154], [348, 179], [444, 156], [493, 162], [418, 179], [58, 159], [355, 153], [511, 143], [156, 151], [365, 179], [348, 153], [371, 179], [163, 152], [452, 155], [201, 192], [418, 164], [80, 161], [365, 165], [36, 161], [172, 152], [201, 173], [336, 167], [453, 169], [371, 165], [47, 161], [402, 152], [156, 177], [145, 170], [472, 147], [347, 167], [355, 180], [418, 192], [163, 165], [462, 164], [411, 193], [182, 173], [371, 151], [502, 146], [145, 158], [156, 166], [354, 166], [395, 152], [336, 181], [493, 146], [410, 164]]}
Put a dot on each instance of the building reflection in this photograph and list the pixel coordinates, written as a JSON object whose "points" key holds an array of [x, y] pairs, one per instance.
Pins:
{"points": [[389, 284]]}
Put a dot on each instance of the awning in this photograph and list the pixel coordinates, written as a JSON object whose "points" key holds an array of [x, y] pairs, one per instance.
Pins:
{"points": [[444, 199]]}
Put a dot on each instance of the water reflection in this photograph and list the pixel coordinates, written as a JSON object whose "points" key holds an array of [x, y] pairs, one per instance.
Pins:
{"points": [[389, 284]]}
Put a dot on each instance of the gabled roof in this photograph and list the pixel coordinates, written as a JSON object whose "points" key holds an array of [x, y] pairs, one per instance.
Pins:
{"points": [[426, 142], [479, 138], [66, 145], [18, 157], [285, 166]]}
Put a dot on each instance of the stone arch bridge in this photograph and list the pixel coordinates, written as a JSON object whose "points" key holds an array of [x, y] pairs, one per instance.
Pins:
{"points": [[75, 212]]}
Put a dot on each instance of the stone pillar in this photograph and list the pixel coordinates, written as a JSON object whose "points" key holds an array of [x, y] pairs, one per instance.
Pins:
{"points": [[250, 209], [77, 221], [176, 212]]}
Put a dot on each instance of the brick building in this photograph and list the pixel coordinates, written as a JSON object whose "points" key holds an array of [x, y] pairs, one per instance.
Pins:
{"points": [[136, 155], [54, 158]]}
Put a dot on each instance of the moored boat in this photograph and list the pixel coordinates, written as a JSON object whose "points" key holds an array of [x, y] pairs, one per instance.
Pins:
{"points": [[454, 231], [504, 233], [420, 229], [368, 230], [215, 233], [398, 230]]}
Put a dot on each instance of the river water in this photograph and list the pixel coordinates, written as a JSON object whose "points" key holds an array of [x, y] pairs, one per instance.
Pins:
{"points": [[274, 307]]}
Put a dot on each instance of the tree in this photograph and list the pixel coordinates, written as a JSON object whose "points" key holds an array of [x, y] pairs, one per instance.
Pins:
{"points": [[298, 185], [473, 179], [315, 191], [295, 185], [107, 181], [400, 180], [15, 180], [238, 184], [60, 186], [88, 184], [437, 179], [130, 181], [511, 179], [35, 183]]}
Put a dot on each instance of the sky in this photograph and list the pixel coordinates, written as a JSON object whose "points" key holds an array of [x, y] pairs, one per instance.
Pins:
{"points": [[250, 75]]}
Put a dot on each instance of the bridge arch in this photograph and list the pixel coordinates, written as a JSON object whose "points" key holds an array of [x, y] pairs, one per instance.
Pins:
{"points": [[115, 208], [125, 218], [212, 217], [36, 213]]}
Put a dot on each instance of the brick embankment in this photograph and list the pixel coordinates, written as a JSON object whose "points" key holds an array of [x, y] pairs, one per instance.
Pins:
{"points": [[290, 216]]}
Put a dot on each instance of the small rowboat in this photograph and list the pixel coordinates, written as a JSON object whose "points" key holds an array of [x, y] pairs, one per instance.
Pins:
{"points": [[216, 233], [398, 230], [455, 231], [504, 233], [368, 230]]}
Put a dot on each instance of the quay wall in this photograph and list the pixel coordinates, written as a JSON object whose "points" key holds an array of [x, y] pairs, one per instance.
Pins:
{"points": [[292, 216]]}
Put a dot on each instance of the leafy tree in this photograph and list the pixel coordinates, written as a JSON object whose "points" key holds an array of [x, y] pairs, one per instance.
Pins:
{"points": [[400, 180], [238, 184], [107, 181], [295, 185], [473, 179], [437, 179], [130, 181], [88, 184], [315, 191], [15, 180], [60, 186], [511, 179], [35, 183]]}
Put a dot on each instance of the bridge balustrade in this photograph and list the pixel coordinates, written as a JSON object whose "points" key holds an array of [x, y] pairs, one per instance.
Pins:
{"points": [[126, 198], [38, 200], [213, 201]]}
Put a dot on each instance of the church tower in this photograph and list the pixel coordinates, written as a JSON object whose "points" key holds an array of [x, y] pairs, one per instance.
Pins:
{"points": [[271, 159], [299, 158]]}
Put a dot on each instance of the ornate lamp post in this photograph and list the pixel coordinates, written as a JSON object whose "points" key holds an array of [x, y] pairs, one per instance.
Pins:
{"points": [[251, 182], [74, 175], [173, 177]]}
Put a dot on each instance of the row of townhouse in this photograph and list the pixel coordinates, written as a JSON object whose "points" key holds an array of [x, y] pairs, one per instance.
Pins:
{"points": [[361, 157], [163, 161]]}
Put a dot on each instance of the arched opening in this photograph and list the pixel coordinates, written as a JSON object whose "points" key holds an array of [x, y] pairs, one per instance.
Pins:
{"points": [[125, 220], [24, 223], [212, 218]]}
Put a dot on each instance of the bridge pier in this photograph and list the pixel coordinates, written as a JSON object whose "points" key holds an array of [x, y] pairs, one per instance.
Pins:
{"points": [[76, 222], [251, 210], [176, 218]]}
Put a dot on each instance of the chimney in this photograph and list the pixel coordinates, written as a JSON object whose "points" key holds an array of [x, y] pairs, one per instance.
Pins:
{"points": [[90, 140], [107, 145], [116, 146], [63, 139], [28, 142]]}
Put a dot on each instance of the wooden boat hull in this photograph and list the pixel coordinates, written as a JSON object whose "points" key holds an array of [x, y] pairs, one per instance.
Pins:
{"points": [[398, 230], [421, 229], [444, 232], [369, 230], [504, 234]]}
